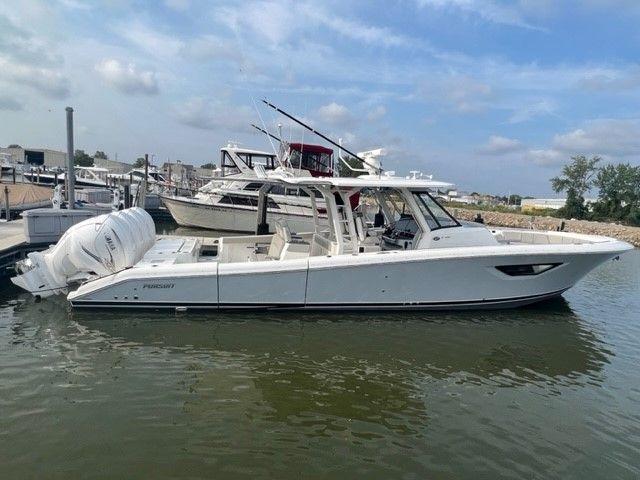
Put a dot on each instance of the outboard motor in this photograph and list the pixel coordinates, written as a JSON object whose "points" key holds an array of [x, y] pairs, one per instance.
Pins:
{"points": [[95, 247]]}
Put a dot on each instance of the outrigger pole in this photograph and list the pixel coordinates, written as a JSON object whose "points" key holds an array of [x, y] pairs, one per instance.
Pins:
{"points": [[324, 137], [277, 139]]}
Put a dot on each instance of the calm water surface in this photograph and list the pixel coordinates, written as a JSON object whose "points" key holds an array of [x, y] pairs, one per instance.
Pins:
{"points": [[544, 392]]}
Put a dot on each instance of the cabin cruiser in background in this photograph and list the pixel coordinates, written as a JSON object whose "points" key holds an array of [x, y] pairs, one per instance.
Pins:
{"points": [[345, 263], [137, 175], [85, 176], [230, 202]]}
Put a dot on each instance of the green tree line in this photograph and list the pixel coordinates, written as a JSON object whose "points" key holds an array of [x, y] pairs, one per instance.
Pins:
{"points": [[618, 190]]}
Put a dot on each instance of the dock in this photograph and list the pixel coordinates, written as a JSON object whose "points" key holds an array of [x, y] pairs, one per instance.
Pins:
{"points": [[14, 246]]}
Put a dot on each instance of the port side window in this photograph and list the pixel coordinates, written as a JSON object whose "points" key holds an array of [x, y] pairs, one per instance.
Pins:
{"points": [[434, 214], [526, 269], [252, 187]]}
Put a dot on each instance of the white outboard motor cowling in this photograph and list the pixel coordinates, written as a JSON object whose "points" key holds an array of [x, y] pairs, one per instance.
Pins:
{"points": [[95, 247]]}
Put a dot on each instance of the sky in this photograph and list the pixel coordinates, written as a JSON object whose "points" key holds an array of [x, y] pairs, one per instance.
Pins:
{"points": [[495, 96]]}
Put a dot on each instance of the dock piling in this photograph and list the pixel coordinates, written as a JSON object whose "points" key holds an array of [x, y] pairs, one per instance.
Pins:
{"points": [[71, 177], [7, 208]]}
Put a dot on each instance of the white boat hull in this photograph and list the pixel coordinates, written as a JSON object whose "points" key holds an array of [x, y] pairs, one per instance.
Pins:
{"points": [[230, 218], [461, 278]]}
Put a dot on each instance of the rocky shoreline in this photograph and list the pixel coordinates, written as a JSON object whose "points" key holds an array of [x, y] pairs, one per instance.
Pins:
{"points": [[516, 220]]}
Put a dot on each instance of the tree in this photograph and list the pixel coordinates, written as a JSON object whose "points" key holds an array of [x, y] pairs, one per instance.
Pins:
{"points": [[139, 163], [100, 154], [209, 166], [576, 180], [81, 159], [514, 199], [619, 192]]}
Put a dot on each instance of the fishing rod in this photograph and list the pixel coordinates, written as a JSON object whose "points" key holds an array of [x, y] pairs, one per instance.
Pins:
{"points": [[324, 137]]}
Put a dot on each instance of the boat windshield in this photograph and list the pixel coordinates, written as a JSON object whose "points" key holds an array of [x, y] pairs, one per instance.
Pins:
{"points": [[434, 214]]}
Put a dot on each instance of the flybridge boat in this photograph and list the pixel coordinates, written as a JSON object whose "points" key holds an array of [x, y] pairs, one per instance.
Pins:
{"points": [[230, 202], [348, 263]]}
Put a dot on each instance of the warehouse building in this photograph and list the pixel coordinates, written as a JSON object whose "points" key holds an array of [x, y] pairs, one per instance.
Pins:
{"points": [[36, 156]]}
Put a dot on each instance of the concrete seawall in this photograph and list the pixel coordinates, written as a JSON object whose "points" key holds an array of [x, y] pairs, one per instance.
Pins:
{"points": [[515, 220]]}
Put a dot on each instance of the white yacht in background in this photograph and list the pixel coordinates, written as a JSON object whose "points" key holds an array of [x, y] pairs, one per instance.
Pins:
{"points": [[85, 177], [230, 202], [115, 260]]}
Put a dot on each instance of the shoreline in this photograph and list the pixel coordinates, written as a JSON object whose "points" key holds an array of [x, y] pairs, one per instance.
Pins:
{"points": [[518, 220]]}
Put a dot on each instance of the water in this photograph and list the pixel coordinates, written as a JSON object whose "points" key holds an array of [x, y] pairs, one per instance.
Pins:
{"points": [[543, 392]]}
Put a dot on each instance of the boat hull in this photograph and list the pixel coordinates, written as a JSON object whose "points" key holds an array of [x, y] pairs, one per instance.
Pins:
{"points": [[432, 280], [190, 213]]}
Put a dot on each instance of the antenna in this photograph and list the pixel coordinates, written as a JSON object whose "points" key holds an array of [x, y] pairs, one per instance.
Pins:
{"points": [[324, 137]]}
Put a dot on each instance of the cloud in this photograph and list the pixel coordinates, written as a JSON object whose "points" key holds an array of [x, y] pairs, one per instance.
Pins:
{"points": [[207, 114], [610, 137], [487, 10], [612, 80], [46, 81], [178, 5], [462, 93], [149, 40], [537, 109], [206, 47], [10, 104], [127, 78], [377, 113], [280, 21], [335, 114], [498, 145], [546, 158]]}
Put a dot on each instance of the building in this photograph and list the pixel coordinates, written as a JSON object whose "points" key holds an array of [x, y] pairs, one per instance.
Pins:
{"points": [[113, 166], [179, 171], [36, 156]]}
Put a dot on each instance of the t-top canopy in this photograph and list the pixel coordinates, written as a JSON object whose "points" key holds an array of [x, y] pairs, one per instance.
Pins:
{"points": [[364, 181]]}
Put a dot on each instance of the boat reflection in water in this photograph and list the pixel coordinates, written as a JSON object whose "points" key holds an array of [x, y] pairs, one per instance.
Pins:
{"points": [[359, 366], [320, 389]]}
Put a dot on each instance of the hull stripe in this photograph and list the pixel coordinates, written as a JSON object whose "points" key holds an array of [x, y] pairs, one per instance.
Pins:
{"points": [[327, 305]]}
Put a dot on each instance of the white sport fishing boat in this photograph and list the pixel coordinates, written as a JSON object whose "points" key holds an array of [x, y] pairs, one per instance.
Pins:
{"points": [[439, 263], [230, 202]]}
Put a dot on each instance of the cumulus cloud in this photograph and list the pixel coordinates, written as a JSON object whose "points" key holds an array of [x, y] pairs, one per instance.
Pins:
{"points": [[207, 114], [614, 137], [335, 114], [127, 78], [546, 158], [498, 145], [608, 138]]}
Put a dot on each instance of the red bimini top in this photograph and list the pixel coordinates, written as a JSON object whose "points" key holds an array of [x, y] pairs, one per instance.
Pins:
{"points": [[300, 147]]}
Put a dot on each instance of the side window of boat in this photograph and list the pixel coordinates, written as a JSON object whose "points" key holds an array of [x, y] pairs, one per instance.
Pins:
{"points": [[252, 187]]}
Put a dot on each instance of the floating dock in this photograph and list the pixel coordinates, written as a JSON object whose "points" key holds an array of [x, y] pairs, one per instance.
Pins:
{"points": [[14, 246]]}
